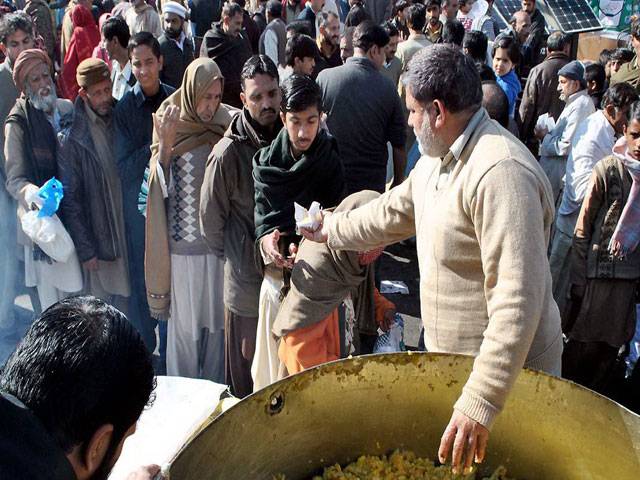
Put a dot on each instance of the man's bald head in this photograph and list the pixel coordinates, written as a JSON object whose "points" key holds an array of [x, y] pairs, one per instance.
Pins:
{"points": [[495, 101], [521, 24]]}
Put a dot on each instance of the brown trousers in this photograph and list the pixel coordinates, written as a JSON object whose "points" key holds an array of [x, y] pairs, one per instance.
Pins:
{"points": [[239, 347]]}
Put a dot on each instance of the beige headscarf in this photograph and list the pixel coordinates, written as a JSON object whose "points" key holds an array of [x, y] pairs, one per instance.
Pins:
{"points": [[191, 133]]}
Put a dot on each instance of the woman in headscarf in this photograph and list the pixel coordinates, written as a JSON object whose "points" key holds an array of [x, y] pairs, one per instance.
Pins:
{"points": [[184, 279], [84, 39], [300, 166], [332, 300], [605, 271], [100, 51]]}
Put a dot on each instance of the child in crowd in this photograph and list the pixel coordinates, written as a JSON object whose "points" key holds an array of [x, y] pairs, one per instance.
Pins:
{"points": [[506, 56]]}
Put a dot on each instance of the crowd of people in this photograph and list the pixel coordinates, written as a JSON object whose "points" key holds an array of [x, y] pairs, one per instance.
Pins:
{"points": [[185, 134]]}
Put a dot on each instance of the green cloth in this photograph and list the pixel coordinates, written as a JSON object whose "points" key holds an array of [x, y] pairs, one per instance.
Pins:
{"points": [[280, 180], [630, 73]]}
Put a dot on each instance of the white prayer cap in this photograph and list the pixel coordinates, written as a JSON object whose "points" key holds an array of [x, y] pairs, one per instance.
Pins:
{"points": [[174, 7]]}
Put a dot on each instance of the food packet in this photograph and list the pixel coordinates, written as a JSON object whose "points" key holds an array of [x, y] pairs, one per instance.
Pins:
{"points": [[309, 219]]}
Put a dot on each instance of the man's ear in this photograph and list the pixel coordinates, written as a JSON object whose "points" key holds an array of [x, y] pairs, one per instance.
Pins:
{"points": [[161, 62], [83, 93], [243, 98], [91, 455], [441, 113], [3, 49], [283, 117]]}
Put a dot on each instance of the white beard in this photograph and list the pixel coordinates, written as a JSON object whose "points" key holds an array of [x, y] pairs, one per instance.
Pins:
{"points": [[428, 142], [47, 104]]}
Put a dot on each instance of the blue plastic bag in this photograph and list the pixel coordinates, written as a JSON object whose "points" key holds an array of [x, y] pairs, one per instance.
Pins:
{"points": [[51, 194], [393, 340]]}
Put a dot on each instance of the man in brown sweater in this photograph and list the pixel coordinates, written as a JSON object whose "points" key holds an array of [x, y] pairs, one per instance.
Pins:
{"points": [[481, 208]]}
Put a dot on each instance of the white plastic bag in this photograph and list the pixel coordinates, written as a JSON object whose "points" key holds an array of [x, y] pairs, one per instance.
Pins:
{"points": [[49, 234], [309, 219], [393, 340]]}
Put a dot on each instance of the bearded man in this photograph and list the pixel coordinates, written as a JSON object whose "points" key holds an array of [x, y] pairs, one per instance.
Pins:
{"points": [[33, 132], [175, 47], [328, 41], [92, 204]]}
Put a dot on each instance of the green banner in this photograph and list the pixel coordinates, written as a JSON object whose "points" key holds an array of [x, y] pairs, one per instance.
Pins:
{"points": [[615, 14]]}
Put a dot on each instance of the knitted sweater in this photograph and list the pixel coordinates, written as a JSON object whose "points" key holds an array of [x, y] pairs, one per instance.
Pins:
{"points": [[482, 217]]}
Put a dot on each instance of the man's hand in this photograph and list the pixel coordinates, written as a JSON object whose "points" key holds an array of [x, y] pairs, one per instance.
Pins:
{"points": [[468, 439], [148, 472], [387, 320], [91, 265], [167, 127], [270, 248], [540, 132], [319, 235]]}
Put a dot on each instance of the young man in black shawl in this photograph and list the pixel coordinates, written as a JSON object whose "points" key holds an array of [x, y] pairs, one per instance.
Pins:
{"points": [[301, 165]]}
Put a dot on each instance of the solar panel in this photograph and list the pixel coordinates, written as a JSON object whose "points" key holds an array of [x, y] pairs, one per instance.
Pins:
{"points": [[498, 19], [574, 15], [507, 8], [569, 16]]}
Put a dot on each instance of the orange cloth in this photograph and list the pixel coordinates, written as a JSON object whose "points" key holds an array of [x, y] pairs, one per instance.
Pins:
{"points": [[320, 343]]}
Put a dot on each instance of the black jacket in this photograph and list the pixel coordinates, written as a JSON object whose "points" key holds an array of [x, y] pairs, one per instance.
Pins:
{"points": [[29, 452], [175, 61], [230, 54], [86, 210], [204, 13]]}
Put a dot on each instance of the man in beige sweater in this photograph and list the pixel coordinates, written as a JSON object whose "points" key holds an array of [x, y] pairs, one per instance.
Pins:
{"points": [[481, 208]]}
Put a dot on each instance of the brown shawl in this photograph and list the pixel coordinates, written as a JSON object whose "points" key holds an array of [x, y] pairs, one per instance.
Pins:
{"points": [[321, 279], [191, 133]]}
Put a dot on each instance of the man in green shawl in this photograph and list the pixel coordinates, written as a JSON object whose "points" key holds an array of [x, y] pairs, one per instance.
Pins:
{"points": [[300, 166], [630, 72]]}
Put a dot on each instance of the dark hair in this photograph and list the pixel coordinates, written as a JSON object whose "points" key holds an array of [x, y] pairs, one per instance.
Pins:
{"points": [[605, 56], [508, 43], [368, 35], [11, 23], [300, 27], [485, 71], [145, 38], [624, 55], [635, 29], [417, 17], [443, 72], [432, 3], [258, 65], [634, 112], [475, 42], [453, 32], [299, 46], [231, 9], [116, 27], [399, 6], [391, 29], [495, 101], [356, 16], [595, 72], [300, 92], [557, 41], [242, 3], [81, 365], [620, 96], [274, 7]]}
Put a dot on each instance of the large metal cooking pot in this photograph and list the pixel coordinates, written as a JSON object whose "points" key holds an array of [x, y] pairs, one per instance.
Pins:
{"points": [[549, 429]]}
